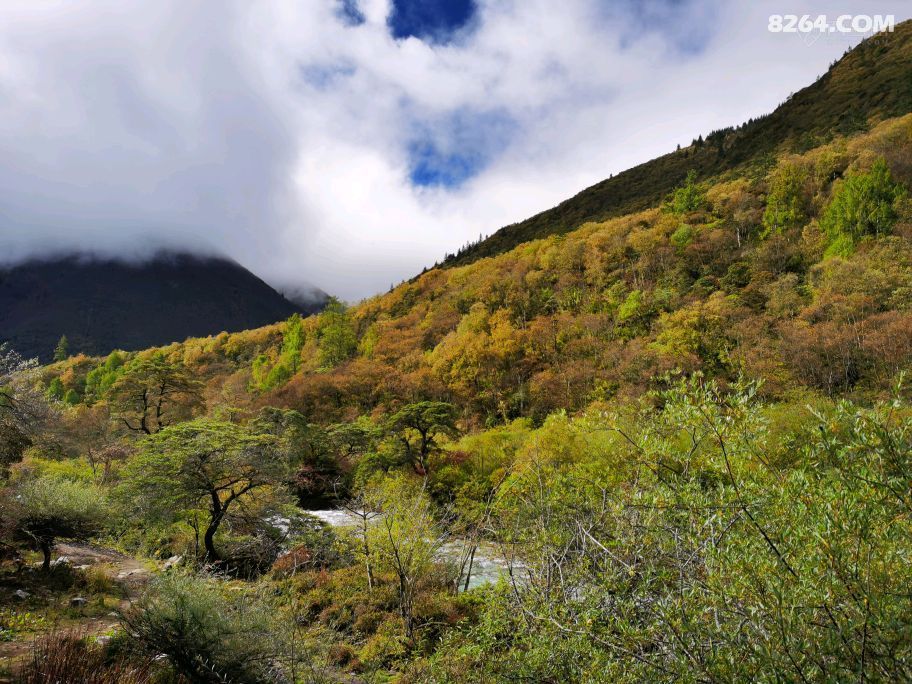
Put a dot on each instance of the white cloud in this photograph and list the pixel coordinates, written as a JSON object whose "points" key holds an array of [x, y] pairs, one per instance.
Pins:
{"points": [[276, 133]]}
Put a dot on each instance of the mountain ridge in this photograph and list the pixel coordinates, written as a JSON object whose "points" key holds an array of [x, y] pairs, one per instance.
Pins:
{"points": [[102, 303]]}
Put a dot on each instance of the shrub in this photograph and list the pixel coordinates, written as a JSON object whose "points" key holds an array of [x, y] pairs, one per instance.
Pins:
{"points": [[206, 633], [68, 658]]}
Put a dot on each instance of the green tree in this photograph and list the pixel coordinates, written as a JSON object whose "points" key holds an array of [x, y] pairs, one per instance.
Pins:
{"points": [[152, 392], [203, 464], [787, 200], [313, 467], [265, 374], [100, 379], [293, 341], [53, 508], [336, 338], [405, 537], [689, 196], [863, 205], [62, 350], [55, 390], [417, 427]]}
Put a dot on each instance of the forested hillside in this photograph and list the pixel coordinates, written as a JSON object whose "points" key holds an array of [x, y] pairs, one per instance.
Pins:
{"points": [[801, 279], [670, 445]]}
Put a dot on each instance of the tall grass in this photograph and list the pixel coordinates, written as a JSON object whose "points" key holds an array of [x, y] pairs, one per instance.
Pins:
{"points": [[69, 658]]}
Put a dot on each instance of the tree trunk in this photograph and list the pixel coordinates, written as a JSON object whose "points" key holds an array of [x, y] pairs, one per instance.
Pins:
{"points": [[367, 559], [216, 513], [469, 571], [209, 543], [46, 550]]}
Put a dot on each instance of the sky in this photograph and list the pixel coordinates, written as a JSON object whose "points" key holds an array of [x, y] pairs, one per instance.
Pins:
{"points": [[349, 143]]}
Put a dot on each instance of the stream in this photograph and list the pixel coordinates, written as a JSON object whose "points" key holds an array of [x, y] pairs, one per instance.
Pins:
{"points": [[487, 567]]}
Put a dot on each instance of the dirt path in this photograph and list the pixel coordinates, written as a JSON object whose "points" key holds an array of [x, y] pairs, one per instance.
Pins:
{"points": [[129, 574]]}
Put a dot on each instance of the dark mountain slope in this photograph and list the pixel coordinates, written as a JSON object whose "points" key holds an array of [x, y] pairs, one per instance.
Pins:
{"points": [[105, 305], [873, 81]]}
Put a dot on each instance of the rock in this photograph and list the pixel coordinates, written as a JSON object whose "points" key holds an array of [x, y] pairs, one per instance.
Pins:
{"points": [[172, 562], [21, 595], [78, 601], [103, 640], [83, 567], [63, 560]]}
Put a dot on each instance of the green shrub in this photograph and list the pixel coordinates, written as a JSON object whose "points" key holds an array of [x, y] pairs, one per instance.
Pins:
{"points": [[208, 633]]}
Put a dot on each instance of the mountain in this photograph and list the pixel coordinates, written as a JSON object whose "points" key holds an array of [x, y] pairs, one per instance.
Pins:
{"points": [[101, 305], [870, 83], [794, 268], [686, 425], [760, 279]]}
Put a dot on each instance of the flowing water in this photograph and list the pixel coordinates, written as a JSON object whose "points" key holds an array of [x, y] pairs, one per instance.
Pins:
{"points": [[487, 566]]}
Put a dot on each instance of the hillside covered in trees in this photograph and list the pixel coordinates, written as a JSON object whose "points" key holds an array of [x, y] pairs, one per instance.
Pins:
{"points": [[673, 444]]}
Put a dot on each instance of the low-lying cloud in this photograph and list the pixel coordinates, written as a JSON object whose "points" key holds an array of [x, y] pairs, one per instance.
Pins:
{"points": [[307, 142]]}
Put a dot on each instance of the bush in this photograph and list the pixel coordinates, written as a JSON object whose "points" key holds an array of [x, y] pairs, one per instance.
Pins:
{"points": [[206, 633], [69, 658]]}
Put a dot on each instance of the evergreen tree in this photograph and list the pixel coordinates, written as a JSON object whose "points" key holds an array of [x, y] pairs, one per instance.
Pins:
{"points": [[62, 350]]}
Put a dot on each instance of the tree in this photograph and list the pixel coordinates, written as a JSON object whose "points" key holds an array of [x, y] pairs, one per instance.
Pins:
{"points": [[689, 196], [787, 200], [53, 508], [364, 507], [91, 432], [100, 379], [407, 538], [55, 390], [417, 427], [266, 374], [206, 464], [152, 392], [62, 350], [293, 341], [863, 205], [336, 338], [313, 468], [23, 409]]}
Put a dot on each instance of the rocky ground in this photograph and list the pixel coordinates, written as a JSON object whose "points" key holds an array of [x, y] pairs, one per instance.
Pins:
{"points": [[86, 588]]}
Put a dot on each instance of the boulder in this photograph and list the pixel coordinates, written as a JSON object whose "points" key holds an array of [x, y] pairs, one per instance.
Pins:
{"points": [[172, 562]]}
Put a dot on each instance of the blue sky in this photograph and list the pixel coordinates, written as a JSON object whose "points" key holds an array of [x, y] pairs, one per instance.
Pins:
{"points": [[349, 143], [433, 20]]}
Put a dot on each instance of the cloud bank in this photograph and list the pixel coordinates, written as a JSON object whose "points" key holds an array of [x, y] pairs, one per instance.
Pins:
{"points": [[347, 144]]}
